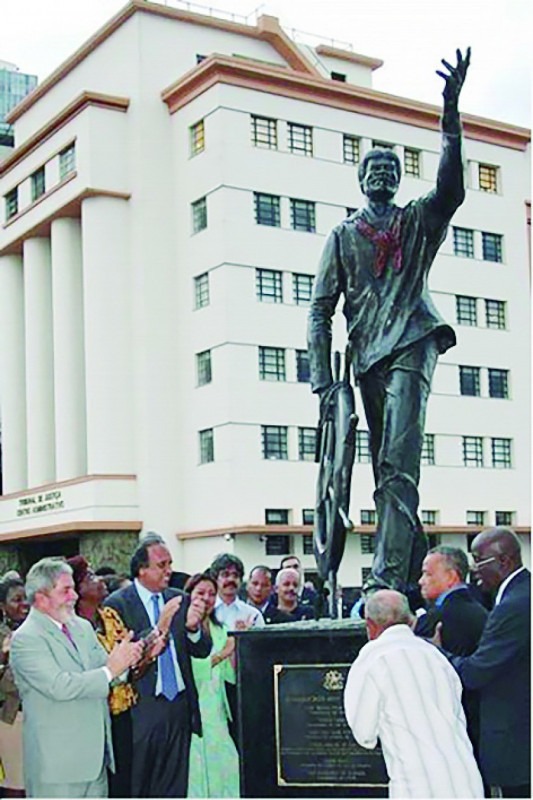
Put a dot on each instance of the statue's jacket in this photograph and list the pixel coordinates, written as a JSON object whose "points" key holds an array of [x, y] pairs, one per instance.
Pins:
{"points": [[389, 308]]}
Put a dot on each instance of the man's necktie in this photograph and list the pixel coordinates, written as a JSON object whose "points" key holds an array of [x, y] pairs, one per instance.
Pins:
{"points": [[169, 684], [69, 636]]}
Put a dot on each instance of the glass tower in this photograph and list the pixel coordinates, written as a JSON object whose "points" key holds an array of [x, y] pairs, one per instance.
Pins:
{"points": [[14, 86]]}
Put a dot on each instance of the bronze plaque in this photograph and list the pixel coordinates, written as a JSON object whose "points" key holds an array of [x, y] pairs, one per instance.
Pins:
{"points": [[314, 744]]}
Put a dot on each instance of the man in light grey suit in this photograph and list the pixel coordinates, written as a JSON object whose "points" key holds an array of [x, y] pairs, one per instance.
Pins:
{"points": [[63, 675]]}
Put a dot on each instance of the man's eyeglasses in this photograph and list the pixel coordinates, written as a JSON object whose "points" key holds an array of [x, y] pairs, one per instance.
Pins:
{"points": [[477, 564]]}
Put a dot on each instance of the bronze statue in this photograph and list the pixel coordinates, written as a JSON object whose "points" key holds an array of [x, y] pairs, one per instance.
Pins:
{"points": [[378, 259]]}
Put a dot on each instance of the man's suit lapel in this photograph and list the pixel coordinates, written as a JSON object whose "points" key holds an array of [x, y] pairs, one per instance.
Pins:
{"points": [[140, 616], [80, 640]]}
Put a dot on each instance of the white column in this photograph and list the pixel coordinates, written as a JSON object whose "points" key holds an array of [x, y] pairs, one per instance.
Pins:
{"points": [[39, 361], [108, 335], [69, 355], [12, 375]]}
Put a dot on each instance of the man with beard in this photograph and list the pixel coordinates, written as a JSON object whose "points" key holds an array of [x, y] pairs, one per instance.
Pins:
{"points": [[63, 675], [235, 614], [378, 259]]}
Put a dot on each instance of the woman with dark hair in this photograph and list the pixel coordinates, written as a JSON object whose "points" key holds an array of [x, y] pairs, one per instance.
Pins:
{"points": [[110, 629], [214, 762], [14, 607]]}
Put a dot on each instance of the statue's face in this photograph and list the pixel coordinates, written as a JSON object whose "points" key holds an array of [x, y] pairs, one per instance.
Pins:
{"points": [[381, 179]]}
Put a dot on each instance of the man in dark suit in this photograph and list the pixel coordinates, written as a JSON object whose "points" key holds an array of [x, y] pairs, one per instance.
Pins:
{"points": [[167, 710], [500, 667], [443, 586]]}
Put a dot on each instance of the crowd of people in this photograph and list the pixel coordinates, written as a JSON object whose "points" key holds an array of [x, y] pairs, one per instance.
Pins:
{"points": [[125, 685], [144, 662]]}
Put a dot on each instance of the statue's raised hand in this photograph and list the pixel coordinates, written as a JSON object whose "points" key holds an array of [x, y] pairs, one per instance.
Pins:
{"points": [[455, 77]]}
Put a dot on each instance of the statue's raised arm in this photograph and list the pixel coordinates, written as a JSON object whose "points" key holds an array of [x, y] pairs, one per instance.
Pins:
{"points": [[453, 83]]}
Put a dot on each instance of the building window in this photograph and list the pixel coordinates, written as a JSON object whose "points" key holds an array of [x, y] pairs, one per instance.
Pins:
{"points": [[201, 290], [366, 572], [429, 517], [428, 450], [492, 246], [488, 178], [207, 446], [504, 518], [300, 139], [382, 145], [306, 444], [362, 447], [499, 383], [276, 516], [272, 363], [338, 76], [368, 516], [203, 368], [303, 215], [466, 310], [501, 453], [268, 285], [267, 209], [12, 202], [495, 314], [463, 242], [199, 215], [308, 516], [274, 442], [277, 545], [302, 288], [411, 162], [265, 132], [307, 544], [351, 149], [475, 518], [473, 451], [197, 138], [37, 184], [302, 366], [367, 544], [67, 161], [469, 380]]}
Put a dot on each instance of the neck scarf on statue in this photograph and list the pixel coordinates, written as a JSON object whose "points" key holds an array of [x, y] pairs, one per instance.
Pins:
{"points": [[387, 242]]}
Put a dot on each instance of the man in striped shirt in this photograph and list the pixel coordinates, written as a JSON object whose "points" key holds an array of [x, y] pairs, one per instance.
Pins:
{"points": [[403, 691]]}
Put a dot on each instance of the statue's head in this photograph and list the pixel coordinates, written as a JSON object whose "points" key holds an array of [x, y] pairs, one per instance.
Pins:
{"points": [[379, 174]]}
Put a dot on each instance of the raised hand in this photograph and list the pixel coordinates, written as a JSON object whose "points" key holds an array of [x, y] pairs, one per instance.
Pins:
{"points": [[437, 636], [196, 613], [455, 77], [167, 614]]}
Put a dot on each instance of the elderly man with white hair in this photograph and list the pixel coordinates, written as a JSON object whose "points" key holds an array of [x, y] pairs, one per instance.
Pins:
{"points": [[402, 690]]}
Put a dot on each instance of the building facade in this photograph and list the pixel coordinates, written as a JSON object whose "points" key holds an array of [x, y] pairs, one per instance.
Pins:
{"points": [[165, 207]]}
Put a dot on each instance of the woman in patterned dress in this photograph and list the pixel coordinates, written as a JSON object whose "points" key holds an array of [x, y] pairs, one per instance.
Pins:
{"points": [[110, 629]]}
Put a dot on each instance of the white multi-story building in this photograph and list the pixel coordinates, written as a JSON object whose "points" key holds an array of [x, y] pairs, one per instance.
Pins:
{"points": [[166, 204]]}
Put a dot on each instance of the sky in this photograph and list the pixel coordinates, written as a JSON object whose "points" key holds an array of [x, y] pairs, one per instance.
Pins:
{"points": [[410, 36]]}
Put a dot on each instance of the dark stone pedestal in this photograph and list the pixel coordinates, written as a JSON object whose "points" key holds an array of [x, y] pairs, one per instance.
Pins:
{"points": [[294, 738]]}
